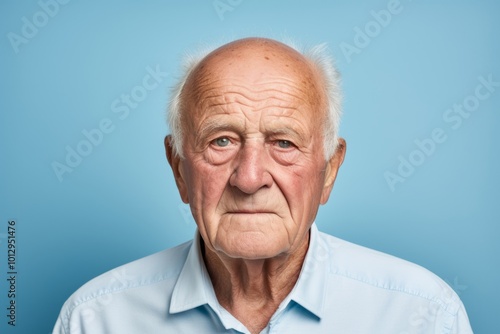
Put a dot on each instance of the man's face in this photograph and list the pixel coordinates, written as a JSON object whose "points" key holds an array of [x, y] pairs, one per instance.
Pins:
{"points": [[254, 171]]}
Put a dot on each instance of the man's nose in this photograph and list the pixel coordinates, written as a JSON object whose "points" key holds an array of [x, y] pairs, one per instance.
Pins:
{"points": [[251, 173]]}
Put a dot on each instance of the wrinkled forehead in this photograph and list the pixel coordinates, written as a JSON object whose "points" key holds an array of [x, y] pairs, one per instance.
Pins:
{"points": [[254, 65]]}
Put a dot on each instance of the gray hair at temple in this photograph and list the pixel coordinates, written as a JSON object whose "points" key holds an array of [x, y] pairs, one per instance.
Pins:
{"points": [[318, 56]]}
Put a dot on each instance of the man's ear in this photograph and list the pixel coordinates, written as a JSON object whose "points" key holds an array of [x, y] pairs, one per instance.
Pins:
{"points": [[175, 163], [332, 167]]}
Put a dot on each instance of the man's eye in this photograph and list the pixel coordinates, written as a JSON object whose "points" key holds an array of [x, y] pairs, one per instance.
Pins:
{"points": [[222, 141], [284, 144]]}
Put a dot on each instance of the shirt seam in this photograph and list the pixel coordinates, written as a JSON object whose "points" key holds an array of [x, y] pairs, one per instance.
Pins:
{"points": [[113, 291], [439, 301]]}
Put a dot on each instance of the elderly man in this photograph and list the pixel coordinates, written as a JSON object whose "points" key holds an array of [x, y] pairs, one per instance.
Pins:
{"points": [[254, 151]]}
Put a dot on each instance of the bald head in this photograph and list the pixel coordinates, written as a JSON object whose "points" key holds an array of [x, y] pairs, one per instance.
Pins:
{"points": [[252, 63], [255, 51]]}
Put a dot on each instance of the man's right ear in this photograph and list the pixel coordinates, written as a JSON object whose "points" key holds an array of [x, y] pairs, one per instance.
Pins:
{"points": [[175, 163]]}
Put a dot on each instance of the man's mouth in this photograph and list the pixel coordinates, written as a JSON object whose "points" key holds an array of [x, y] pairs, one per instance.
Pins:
{"points": [[250, 212]]}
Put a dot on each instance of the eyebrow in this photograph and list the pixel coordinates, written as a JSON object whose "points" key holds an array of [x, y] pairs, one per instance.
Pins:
{"points": [[286, 132], [213, 126]]}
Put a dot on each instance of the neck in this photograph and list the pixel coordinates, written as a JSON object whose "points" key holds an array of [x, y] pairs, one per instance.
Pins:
{"points": [[252, 290]]}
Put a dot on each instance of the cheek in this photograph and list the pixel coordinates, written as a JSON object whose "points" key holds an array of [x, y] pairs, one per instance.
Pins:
{"points": [[205, 183], [302, 186]]}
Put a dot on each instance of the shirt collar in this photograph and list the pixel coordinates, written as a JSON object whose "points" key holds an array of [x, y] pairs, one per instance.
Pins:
{"points": [[194, 287], [310, 289]]}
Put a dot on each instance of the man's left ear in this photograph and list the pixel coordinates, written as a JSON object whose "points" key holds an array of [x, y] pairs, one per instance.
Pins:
{"points": [[332, 167]]}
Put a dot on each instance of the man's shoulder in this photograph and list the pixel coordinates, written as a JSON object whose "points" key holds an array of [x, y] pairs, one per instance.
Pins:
{"points": [[145, 272], [380, 270]]}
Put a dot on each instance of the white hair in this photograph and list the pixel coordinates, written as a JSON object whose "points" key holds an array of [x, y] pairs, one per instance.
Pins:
{"points": [[318, 56]]}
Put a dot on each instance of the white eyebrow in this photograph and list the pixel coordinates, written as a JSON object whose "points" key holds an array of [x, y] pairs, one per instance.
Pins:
{"points": [[213, 126], [286, 131]]}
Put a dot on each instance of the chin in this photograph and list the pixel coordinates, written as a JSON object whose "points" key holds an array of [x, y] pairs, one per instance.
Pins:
{"points": [[252, 247]]}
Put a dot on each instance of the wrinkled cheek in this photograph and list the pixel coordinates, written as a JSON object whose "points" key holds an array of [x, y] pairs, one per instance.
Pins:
{"points": [[206, 185], [304, 195]]}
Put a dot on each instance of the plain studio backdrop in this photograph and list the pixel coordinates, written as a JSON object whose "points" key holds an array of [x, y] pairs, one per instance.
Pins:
{"points": [[84, 86]]}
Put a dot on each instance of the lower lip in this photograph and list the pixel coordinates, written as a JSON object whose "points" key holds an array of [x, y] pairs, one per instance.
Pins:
{"points": [[249, 213]]}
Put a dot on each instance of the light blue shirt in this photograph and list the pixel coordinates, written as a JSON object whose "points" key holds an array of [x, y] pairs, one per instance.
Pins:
{"points": [[342, 288]]}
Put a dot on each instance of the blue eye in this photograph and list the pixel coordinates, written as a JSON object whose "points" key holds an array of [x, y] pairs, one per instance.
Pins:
{"points": [[222, 142], [284, 144]]}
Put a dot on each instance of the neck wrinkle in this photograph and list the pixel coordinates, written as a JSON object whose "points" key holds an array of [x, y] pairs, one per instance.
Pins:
{"points": [[257, 284]]}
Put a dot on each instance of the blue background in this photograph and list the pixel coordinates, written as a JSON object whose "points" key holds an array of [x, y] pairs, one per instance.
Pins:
{"points": [[120, 203]]}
